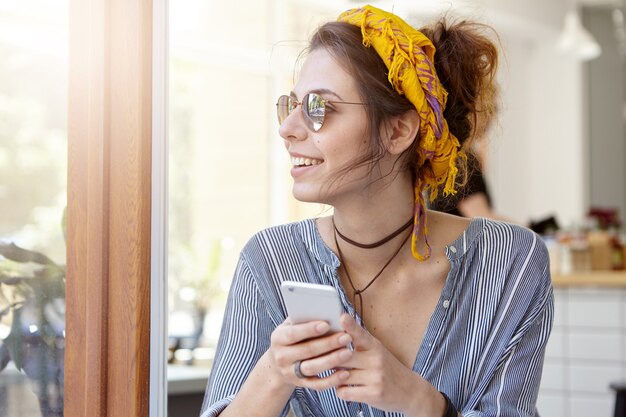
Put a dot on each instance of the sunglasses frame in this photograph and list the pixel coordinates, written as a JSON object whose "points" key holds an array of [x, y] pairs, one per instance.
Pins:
{"points": [[313, 122]]}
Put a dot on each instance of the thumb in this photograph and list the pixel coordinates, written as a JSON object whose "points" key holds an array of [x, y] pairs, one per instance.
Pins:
{"points": [[361, 338]]}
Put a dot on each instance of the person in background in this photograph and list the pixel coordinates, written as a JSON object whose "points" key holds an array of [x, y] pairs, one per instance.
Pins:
{"points": [[472, 199], [444, 315]]}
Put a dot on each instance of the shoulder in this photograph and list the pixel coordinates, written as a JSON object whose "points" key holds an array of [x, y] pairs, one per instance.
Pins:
{"points": [[513, 247], [281, 236], [484, 237], [288, 246], [288, 252], [512, 238], [275, 254], [514, 258]]}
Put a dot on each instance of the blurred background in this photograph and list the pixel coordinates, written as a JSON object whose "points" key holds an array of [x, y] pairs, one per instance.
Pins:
{"points": [[555, 160]]}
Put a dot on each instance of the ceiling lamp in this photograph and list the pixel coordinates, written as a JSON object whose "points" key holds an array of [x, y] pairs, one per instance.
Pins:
{"points": [[576, 40]]}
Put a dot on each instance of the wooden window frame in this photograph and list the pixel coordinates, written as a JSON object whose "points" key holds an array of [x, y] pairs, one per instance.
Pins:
{"points": [[107, 359]]}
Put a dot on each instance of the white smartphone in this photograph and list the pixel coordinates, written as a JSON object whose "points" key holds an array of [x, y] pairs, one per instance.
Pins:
{"points": [[308, 302]]}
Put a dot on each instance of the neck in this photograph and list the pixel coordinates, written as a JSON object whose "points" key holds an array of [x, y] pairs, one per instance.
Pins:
{"points": [[368, 217], [378, 243], [363, 261]]}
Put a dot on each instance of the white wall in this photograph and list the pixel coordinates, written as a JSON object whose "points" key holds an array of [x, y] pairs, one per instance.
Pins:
{"points": [[536, 165]]}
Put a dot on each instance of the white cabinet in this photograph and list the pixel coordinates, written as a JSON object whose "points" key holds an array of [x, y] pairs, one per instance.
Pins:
{"points": [[585, 353]]}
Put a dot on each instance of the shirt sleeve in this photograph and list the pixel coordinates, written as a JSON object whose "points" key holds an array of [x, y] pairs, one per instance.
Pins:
{"points": [[514, 386], [244, 338]]}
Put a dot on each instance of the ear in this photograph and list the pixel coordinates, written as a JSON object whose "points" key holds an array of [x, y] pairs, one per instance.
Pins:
{"points": [[401, 131]]}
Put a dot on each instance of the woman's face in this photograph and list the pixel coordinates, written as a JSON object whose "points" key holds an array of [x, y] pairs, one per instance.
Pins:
{"points": [[318, 157]]}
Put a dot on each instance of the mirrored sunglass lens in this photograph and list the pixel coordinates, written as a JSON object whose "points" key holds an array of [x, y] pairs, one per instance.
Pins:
{"points": [[315, 110], [284, 105]]}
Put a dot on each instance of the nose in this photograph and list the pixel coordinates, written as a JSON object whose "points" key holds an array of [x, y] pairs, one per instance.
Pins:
{"points": [[293, 128]]}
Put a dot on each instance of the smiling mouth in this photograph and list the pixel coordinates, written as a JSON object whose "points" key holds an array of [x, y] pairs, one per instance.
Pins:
{"points": [[304, 162]]}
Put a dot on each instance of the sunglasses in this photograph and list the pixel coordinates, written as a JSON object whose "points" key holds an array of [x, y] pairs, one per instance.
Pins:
{"points": [[313, 109]]}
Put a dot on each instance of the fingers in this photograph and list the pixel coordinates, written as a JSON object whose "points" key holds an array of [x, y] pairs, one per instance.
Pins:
{"points": [[384, 390], [316, 350], [315, 366], [288, 334], [356, 393], [367, 386], [322, 349], [335, 379], [332, 360], [305, 341], [361, 339]]}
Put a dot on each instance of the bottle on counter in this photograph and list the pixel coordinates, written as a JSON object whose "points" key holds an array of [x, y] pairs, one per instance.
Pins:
{"points": [[607, 246], [617, 252], [554, 251], [601, 250], [580, 252], [623, 242], [572, 252]]}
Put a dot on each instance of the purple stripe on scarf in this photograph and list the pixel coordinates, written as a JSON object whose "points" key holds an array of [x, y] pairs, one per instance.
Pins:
{"points": [[434, 104]]}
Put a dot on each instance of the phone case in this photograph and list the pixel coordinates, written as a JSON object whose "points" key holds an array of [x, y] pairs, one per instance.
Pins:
{"points": [[307, 302]]}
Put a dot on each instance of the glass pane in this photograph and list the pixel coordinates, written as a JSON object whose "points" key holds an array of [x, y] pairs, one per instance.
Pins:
{"points": [[228, 170], [210, 198], [33, 148]]}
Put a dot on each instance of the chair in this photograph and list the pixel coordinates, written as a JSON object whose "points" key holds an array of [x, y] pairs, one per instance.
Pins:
{"points": [[620, 398]]}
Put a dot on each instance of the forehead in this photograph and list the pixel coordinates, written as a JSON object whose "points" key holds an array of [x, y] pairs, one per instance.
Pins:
{"points": [[322, 71]]}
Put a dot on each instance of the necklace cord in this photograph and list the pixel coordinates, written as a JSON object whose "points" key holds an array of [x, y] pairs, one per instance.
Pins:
{"points": [[358, 293], [375, 244]]}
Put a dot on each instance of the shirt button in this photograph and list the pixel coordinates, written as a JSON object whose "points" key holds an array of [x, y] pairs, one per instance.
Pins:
{"points": [[453, 249], [446, 303]]}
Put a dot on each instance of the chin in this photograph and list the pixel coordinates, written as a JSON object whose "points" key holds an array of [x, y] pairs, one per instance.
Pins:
{"points": [[306, 194]]}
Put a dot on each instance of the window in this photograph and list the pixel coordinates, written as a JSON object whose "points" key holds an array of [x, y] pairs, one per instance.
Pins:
{"points": [[33, 166], [228, 171]]}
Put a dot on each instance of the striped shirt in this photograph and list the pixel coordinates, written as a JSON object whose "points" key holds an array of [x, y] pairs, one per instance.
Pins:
{"points": [[483, 346]]}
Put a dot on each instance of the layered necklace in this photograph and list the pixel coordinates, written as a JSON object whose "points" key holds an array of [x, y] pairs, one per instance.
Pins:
{"points": [[358, 292]]}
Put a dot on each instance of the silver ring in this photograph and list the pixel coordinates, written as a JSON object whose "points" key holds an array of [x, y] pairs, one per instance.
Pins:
{"points": [[297, 370]]}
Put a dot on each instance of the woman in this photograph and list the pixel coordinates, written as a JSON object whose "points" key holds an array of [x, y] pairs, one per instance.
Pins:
{"points": [[444, 317], [472, 199]]}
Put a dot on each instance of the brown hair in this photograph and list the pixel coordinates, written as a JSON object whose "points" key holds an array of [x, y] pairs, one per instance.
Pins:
{"points": [[465, 61]]}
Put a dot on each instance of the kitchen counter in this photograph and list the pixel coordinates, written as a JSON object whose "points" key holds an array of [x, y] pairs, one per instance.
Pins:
{"points": [[586, 351], [591, 279], [185, 388], [183, 379]]}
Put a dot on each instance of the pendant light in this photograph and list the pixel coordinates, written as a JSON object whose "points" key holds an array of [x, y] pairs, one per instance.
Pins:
{"points": [[577, 41]]}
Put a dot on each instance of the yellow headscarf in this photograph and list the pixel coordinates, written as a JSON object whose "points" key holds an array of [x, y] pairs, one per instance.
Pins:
{"points": [[409, 56]]}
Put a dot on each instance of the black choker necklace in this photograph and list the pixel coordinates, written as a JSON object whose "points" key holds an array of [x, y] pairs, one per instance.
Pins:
{"points": [[358, 292], [375, 244]]}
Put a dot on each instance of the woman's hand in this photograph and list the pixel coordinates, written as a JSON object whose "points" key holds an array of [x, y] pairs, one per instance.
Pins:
{"points": [[379, 379], [317, 351]]}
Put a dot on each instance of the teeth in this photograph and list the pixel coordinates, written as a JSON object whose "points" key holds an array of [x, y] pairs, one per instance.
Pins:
{"points": [[304, 161]]}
